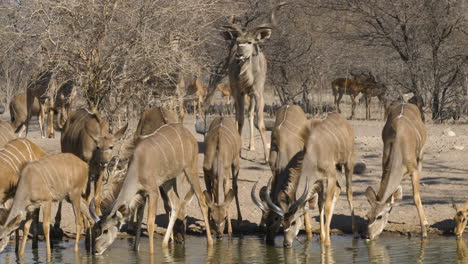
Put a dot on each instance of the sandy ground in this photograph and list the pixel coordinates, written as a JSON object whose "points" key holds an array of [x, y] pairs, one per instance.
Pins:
{"points": [[443, 178]]}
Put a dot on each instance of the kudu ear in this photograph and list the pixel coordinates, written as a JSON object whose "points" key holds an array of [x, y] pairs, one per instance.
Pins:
{"points": [[13, 224], [313, 201], [121, 132], [120, 212], [208, 198], [228, 198], [262, 34], [397, 195], [228, 35], [371, 196]]}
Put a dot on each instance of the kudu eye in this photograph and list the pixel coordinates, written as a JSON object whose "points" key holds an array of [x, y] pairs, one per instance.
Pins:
{"points": [[293, 223], [250, 42], [463, 220], [105, 231], [379, 217]]}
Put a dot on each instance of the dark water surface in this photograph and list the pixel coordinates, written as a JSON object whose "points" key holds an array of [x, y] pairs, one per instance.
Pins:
{"points": [[251, 249]]}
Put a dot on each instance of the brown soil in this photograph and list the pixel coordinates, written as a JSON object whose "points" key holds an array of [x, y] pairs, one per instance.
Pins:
{"points": [[443, 178]]}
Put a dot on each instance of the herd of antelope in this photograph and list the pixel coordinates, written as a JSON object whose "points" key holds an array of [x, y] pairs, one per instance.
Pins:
{"points": [[165, 154]]}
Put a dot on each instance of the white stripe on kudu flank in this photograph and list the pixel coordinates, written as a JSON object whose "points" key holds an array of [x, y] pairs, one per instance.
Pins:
{"points": [[11, 154], [19, 152], [8, 160], [160, 149], [181, 143], [170, 144], [28, 146]]}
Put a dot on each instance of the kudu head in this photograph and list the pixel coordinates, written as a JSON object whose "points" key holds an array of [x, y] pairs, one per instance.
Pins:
{"points": [[218, 212], [104, 142], [106, 229], [7, 229], [380, 211], [246, 42], [274, 216], [460, 218]]}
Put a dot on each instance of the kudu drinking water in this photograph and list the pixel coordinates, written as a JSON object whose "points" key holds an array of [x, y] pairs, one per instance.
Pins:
{"points": [[329, 146], [403, 135], [13, 157], [151, 120], [86, 134], [286, 151], [52, 178], [460, 218], [222, 152], [6, 133], [247, 73], [157, 161]]}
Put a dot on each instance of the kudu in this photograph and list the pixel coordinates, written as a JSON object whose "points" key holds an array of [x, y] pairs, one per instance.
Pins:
{"points": [[157, 161], [460, 218], [343, 86], [6, 133], [60, 106], [222, 152], [247, 73], [329, 146], [13, 157], [151, 120], [49, 179], [19, 113], [226, 92], [403, 135], [42, 87], [287, 147], [86, 134]]}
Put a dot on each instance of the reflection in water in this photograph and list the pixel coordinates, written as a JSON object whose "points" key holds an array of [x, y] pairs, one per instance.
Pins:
{"points": [[377, 252], [326, 256], [462, 251], [344, 249]]}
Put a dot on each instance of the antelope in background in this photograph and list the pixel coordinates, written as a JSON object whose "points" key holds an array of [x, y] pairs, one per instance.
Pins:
{"points": [[19, 113], [349, 87], [13, 157], [86, 134], [329, 146], [39, 186], [222, 152], [279, 206], [247, 73], [403, 135], [460, 218], [6, 133], [41, 88], [60, 106], [226, 93], [157, 161]]}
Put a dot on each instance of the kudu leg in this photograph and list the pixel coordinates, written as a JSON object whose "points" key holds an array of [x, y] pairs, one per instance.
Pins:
{"points": [[46, 210], [338, 101], [259, 106], [307, 225], [239, 105], [78, 219], [97, 192], [27, 225], [195, 183], [36, 228], [228, 210], [235, 187], [417, 202], [140, 211], [330, 201], [173, 201], [41, 122], [349, 192], [368, 101], [152, 209], [353, 106], [251, 122]]}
